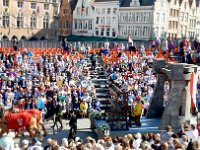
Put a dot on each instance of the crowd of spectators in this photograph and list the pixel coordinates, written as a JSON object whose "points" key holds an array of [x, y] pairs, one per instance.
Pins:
{"points": [[138, 76], [46, 81], [185, 139], [190, 52], [52, 80]]}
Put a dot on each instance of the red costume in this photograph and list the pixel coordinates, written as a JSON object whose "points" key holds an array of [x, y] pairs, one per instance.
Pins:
{"points": [[17, 121], [36, 113]]}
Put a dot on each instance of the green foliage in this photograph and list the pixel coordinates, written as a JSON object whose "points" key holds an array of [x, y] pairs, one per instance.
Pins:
{"points": [[103, 128], [96, 114]]}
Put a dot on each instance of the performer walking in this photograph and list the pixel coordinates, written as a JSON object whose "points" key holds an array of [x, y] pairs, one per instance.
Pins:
{"points": [[73, 121], [58, 117]]}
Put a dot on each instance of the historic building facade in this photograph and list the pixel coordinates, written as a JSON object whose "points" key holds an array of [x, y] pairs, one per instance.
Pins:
{"points": [[65, 19], [183, 22], [183, 18], [135, 20], [197, 30], [173, 19], [30, 19], [143, 19], [96, 18], [106, 18], [192, 19], [160, 17], [83, 18]]}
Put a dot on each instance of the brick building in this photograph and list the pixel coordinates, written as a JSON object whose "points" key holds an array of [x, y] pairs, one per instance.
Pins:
{"points": [[65, 19]]}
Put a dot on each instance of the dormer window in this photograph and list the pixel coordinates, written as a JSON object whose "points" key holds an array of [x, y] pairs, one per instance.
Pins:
{"points": [[135, 3]]}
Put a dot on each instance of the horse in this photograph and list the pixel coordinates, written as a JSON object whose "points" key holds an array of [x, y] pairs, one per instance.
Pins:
{"points": [[13, 121], [38, 115]]}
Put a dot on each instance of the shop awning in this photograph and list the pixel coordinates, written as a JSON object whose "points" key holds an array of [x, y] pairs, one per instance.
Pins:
{"points": [[76, 38]]}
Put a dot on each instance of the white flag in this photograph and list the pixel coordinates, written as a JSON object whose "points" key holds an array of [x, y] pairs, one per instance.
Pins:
{"points": [[130, 40]]}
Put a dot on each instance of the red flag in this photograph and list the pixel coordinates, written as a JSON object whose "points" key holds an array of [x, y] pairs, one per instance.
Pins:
{"points": [[193, 89]]}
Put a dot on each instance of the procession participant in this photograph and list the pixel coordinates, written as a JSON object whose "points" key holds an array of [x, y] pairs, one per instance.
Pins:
{"points": [[73, 121]]}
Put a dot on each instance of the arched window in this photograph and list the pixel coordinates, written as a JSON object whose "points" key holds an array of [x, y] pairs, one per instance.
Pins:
{"points": [[33, 23], [6, 18], [43, 38], [23, 38], [46, 21], [5, 38], [14, 38], [20, 20], [33, 39]]}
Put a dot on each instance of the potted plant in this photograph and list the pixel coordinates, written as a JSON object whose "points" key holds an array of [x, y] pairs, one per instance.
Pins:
{"points": [[94, 114], [103, 130]]}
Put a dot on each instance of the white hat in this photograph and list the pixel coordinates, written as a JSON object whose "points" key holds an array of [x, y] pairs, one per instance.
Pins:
{"points": [[25, 142], [139, 135], [49, 140], [64, 142], [77, 139]]}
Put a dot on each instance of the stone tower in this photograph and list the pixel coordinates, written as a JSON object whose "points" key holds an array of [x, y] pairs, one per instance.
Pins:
{"points": [[178, 107]]}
